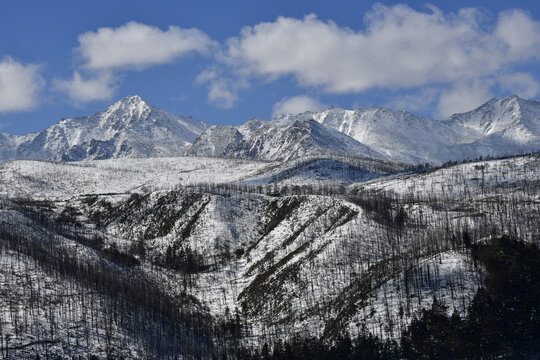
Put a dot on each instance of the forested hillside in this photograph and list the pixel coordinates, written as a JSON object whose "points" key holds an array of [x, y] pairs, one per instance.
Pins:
{"points": [[209, 257]]}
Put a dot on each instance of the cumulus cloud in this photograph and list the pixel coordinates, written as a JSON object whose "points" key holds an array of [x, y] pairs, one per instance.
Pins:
{"points": [[100, 87], [222, 90], [110, 52], [463, 97], [296, 105], [20, 85], [519, 34], [414, 101], [136, 45], [399, 48], [519, 83]]}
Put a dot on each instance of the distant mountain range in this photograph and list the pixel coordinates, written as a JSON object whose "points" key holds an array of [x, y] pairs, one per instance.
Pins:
{"points": [[499, 127], [276, 140], [133, 128]]}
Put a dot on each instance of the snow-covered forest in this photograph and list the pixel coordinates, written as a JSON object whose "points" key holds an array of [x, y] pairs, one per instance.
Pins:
{"points": [[210, 257]]}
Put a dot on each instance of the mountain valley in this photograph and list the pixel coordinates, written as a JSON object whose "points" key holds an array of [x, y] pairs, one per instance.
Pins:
{"points": [[135, 233]]}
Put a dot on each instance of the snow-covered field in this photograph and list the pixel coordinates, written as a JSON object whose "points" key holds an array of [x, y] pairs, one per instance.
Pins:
{"points": [[45, 180], [40, 180]]}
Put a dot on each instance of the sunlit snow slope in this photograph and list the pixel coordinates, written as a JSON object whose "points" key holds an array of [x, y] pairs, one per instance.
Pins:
{"points": [[128, 128]]}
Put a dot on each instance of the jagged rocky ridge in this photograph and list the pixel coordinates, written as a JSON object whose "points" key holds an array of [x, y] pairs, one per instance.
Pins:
{"points": [[499, 127], [128, 128], [133, 128], [269, 140]]}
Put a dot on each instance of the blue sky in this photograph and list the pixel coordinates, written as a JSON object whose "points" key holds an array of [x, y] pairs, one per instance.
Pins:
{"points": [[225, 62]]}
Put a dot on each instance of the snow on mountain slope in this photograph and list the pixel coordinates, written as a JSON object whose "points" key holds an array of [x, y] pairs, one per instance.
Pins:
{"points": [[30, 279], [499, 127], [314, 263], [398, 135], [215, 141], [40, 180], [282, 257], [65, 296], [320, 170], [277, 140], [391, 299], [475, 177], [128, 128], [132, 128], [498, 116]]}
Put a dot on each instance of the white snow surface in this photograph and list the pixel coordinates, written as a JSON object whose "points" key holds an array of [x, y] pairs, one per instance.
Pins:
{"points": [[39, 180], [290, 264], [323, 245]]}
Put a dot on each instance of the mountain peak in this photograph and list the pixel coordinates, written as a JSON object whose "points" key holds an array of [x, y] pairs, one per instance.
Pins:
{"points": [[512, 97], [131, 99], [511, 117], [512, 100], [131, 102], [128, 128], [127, 110], [505, 101]]}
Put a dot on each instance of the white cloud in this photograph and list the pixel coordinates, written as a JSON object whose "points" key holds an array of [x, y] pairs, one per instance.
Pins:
{"points": [[221, 94], [222, 91], [19, 85], [399, 48], [208, 75], [296, 105], [136, 45], [521, 84], [80, 90], [106, 52], [415, 101], [463, 97], [519, 33]]}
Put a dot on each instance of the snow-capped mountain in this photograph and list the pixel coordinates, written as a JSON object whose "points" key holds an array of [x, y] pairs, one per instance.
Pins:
{"points": [[195, 257], [128, 128], [396, 134], [500, 115], [215, 141], [506, 126], [499, 127], [278, 139], [133, 128]]}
